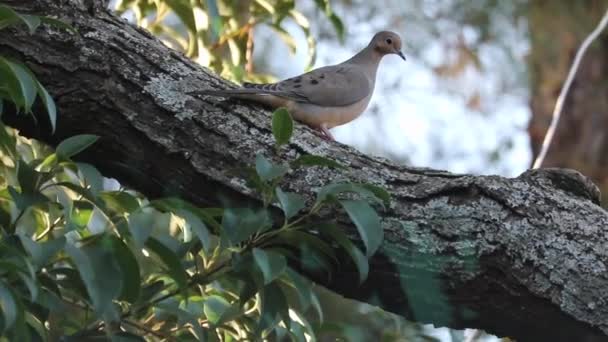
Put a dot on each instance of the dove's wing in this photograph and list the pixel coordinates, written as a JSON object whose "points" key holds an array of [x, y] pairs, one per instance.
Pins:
{"points": [[331, 86]]}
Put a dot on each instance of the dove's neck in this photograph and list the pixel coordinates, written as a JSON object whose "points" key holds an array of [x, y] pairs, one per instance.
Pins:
{"points": [[368, 59]]}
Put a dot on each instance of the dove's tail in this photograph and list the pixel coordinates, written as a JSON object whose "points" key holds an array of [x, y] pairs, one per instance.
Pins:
{"points": [[229, 92], [252, 91]]}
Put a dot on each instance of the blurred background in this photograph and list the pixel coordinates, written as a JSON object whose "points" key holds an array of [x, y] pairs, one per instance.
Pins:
{"points": [[475, 95]]}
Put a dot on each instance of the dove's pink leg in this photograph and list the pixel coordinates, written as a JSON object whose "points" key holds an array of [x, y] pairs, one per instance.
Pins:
{"points": [[323, 128]]}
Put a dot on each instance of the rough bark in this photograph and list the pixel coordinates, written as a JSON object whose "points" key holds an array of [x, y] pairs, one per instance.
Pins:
{"points": [[581, 141], [523, 257]]}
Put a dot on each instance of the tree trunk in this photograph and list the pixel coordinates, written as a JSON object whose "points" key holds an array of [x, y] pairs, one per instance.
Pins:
{"points": [[522, 257], [557, 29]]}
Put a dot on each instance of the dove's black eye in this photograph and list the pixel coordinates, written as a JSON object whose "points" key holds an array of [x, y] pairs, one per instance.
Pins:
{"points": [[389, 41]]}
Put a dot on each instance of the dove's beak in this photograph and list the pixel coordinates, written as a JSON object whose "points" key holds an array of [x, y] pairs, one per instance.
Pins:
{"points": [[400, 54]]}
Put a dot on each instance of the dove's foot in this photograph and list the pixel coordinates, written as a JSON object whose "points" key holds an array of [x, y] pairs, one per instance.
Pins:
{"points": [[326, 134]]}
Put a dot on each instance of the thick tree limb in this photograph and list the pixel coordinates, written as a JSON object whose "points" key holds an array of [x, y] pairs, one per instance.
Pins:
{"points": [[523, 257]]}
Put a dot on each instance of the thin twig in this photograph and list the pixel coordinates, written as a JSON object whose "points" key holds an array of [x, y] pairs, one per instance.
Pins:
{"points": [[559, 104]]}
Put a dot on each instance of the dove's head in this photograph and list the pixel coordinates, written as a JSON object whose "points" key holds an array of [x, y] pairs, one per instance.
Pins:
{"points": [[387, 42]]}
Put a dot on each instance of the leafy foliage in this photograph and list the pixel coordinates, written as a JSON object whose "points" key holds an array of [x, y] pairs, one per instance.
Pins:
{"points": [[81, 261], [219, 33]]}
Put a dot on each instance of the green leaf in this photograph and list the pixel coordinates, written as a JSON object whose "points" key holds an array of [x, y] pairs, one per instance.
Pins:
{"points": [[99, 272], [215, 18], [85, 193], [303, 288], [174, 267], [313, 160], [58, 23], [9, 306], [49, 104], [20, 85], [92, 177], [291, 203], [197, 226], [7, 142], [81, 213], [271, 264], [140, 226], [24, 201], [9, 17], [183, 317], [29, 179], [379, 193], [37, 326], [42, 252], [287, 38], [173, 204], [300, 239], [120, 201], [266, 170], [215, 308], [356, 255], [238, 224], [282, 126], [129, 269], [274, 307], [367, 222], [325, 6], [74, 145]]}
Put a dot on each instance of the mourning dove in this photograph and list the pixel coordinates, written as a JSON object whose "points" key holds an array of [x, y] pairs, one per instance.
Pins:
{"points": [[328, 96]]}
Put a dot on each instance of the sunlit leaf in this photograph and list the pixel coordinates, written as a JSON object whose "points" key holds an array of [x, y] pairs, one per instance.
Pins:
{"points": [[7, 142], [120, 201], [81, 213], [184, 11], [197, 226], [92, 177], [173, 265]]}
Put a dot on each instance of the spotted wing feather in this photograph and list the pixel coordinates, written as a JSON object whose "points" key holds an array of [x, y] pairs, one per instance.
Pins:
{"points": [[331, 86]]}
